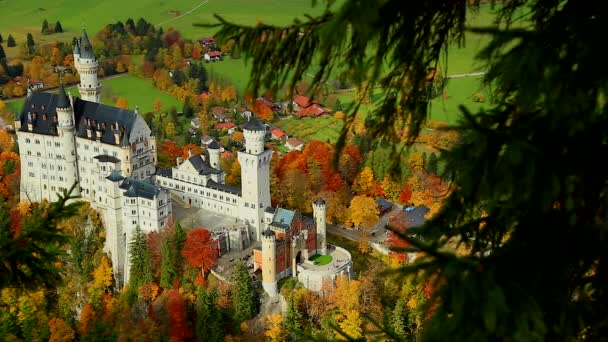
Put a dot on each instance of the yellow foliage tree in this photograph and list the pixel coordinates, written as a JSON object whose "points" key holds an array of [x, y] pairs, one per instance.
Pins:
{"points": [[274, 328], [122, 102], [120, 67], [339, 115], [6, 141], [157, 105], [347, 299], [363, 211], [238, 136], [170, 129], [416, 162], [364, 181], [102, 276], [229, 94]]}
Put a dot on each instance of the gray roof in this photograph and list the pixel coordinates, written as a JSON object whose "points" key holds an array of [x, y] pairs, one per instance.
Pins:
{"points": [[86, 49], [115, 176], [254, 125], [62, 98], [269, 210], [87, 114], [415, 216], [214, 145], [211, 184], [268, 232], [383, 204], [104, 158], [319, 201], [202, 166], [76, 47], [140, 188], [165, 172]]}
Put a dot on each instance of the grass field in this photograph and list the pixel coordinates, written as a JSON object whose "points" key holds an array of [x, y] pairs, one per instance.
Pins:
{"points": [[324, 129], [137, 91], [321, 260]]}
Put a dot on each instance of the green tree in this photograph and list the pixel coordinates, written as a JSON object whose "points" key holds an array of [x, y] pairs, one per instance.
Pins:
{"points": [[521, 182], [187, 109], [209, 321], [2, 54], [30, 43], [141, 265], [10, 42], [244, 296], [338, 107], [432, 164], [293, 320], [58, 27], [45, 27], [31, 256], [171, 256], [1, 39], [398, 317]]}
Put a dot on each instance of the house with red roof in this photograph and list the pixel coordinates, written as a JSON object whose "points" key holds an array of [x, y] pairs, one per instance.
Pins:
{"points": [[219, 114], [304, 107], [277, 134], [213, 56], [229, 126]]}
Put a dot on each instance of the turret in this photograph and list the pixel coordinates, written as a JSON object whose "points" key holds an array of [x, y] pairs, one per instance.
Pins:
{"points": [[319, 212], [269, 264], [254, 132], [87, 65], [214, 155], [66, 130]]}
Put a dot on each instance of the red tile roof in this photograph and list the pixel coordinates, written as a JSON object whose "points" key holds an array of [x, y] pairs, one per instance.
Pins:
{"points": [[225, 125], [303, 101], [215, 53], [226, 154], [277, 133], [312, 111]]}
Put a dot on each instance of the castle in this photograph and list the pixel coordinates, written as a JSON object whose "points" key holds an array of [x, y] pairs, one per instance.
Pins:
{"points": [[111, 154]]}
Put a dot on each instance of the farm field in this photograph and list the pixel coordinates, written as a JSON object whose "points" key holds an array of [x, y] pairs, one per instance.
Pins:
{"points": [[137, 91]]}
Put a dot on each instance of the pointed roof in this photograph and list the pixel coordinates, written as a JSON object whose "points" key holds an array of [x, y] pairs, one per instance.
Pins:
{"points": [[62, 100], [76, 47], [319, 201], [115, 176], [268, 232], [86, 49], [214, 145], [254, 125]]}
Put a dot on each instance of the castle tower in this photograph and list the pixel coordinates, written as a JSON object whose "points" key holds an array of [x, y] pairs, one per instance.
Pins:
{"points": [[66, 131], [269, 263], [255, 175], [318, 210], [87, 65], [214, 155]]}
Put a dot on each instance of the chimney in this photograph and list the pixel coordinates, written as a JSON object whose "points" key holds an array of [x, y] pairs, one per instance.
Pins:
{"points": [[117, 137], [98, 131], [30, 123], [179, 160], [89, 132]]}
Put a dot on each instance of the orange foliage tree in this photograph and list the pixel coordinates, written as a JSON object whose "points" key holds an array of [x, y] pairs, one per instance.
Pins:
{"points": [[178, 317], [191, 149], [60, 331], [200, 250], [122, 102], [262, 110]]}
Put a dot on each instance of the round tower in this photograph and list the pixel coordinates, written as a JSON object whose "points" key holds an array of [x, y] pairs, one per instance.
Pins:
{"points": [[214, 154], [87, 65], [319, 208], [66, 131], [269, 263], [254, 132]]}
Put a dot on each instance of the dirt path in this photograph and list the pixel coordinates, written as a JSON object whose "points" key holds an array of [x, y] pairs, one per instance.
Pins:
{"points": [[181, 15]]}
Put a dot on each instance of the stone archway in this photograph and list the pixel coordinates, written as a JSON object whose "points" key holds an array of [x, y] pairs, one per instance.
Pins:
{"points": [[299, 258]]}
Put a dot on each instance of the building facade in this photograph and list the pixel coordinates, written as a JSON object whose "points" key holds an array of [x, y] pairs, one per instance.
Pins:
{"points": [[106, 154]]}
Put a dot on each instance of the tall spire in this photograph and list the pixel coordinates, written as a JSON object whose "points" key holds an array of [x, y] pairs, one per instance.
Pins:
{"points": [[86, 49], [62, 101]]}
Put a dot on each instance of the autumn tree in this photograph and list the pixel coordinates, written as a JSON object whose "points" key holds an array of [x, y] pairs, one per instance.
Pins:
{"points": [[200, 250], [60, 331], [349, 317], [364, 181], [170, 130], [262, 110], [274, 328], [122, 102], [431, 166], [178, 317], [102, 279], [157, 106], [244, 296], [363, 211]]}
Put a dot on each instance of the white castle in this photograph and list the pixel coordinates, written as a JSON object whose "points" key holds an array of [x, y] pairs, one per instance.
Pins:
{"points": [[110, 153]]}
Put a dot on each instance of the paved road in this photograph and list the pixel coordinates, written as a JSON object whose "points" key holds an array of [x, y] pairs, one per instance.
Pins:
{"points": [[376, 234]]}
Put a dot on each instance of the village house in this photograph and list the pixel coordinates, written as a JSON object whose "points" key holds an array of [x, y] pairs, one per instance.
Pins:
{"points": [[206, 140], [195, 122], [293, 144], [277, 134], [208, 42], [219, 114], [213, 56], [304, 107], [229, 126]]}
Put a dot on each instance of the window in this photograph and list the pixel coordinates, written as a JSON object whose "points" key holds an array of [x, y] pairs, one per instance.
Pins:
{"points": [[29, 163], [134, 222], [37, 142], [31, 174], [57, 144], [39, 154], [60, 178], [253, 206], [114, 154], [59, 168], [44, 186], [132, 212], [27, 140], [246, 205], [162, 213], [86, 147]]}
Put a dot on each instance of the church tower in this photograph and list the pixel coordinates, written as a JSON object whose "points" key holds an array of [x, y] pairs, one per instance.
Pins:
{"points": [[255, 175], [87, 65], [66, 132]]}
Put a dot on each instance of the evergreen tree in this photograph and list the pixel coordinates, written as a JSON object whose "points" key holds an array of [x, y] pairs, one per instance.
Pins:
{"points": [[58, 27], [425, 158], [187, 109], [141, 266], [2, 54], [130, 26], [168, 272], [338, 107], [172, 115], [398, 316], [520, 181], [209, 321], [45, 27], [10, 42], [293, 320], [30, 43], [244, 296], [1, 39], [432, 164]]}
